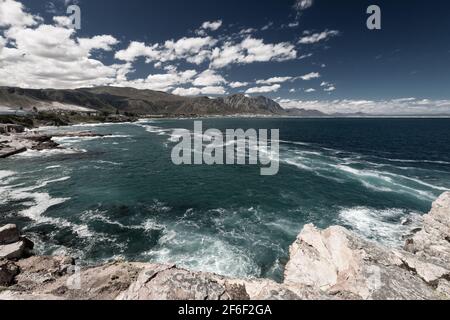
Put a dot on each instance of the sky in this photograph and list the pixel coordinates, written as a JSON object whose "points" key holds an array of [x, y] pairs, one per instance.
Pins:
{"points": [[312, 54]]}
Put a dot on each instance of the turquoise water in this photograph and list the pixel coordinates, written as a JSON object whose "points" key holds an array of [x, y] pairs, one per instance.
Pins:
{"points": [[121, 196]]}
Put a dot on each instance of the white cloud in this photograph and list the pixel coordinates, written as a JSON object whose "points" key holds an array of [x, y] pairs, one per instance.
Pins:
{"points": [[62, 21], [305, 56], [2, 43], [264, 89], [136, 50], [12, 14], [251, 50], [247, 31], [267, 26], [213, 90], [161, 82], [274, 80], [310, 90], [257, 51], [301, 5], [186, 47], [208, 78], [212, 25], [37, 55], [310, 76], [194, 50], [317, 37], [187, 92], [330, 89], [238, 84]]}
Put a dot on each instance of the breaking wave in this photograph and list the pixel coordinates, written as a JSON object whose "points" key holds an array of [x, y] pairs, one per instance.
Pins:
{"points": [[387, 226]]}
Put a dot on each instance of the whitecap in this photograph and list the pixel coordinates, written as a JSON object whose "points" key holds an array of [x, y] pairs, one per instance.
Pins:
{"points": [[6, 174], [49, 153], [53, 167], [204, 253], [382, 225]]}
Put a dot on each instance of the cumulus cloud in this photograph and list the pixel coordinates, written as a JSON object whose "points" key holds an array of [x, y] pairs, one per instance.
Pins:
{"points": [[310, 90], [264, 89], [37, 55], [317, 37], [13, 14], [194, 50], [161, 82], [212, 25], [328, 87], [212, 90], [136, 50], [2, 43], [238, 84], [251, 50], [208, 78]]}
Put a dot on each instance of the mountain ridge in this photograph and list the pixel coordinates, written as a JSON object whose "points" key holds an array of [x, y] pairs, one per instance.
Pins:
{"points": [[139, 102]]}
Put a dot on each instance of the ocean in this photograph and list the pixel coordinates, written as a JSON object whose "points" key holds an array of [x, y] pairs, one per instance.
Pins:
{"points": [[120, 196]]}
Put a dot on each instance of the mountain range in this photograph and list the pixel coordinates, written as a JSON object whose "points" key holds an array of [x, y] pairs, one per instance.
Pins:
{"points": [[141, 102]]}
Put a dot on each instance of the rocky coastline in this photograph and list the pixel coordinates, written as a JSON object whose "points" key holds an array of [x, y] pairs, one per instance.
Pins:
{"points": [[18, 142], [331, 264]]}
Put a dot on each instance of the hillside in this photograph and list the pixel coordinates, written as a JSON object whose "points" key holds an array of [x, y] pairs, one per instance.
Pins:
{"points": [[139, 102]]}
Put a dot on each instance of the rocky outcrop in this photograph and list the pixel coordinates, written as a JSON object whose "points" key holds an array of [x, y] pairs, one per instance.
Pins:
{"points": [[17, 143], [324, 264], [13, 144], [9, 234], [12, 245], [339, 263], [11, 128]]}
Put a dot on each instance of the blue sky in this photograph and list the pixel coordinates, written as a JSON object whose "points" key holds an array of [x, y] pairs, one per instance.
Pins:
{"points": [[316, 54]]}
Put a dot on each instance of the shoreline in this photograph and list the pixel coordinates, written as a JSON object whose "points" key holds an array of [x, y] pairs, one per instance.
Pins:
{"points": [[12, 143], [331, 264]]}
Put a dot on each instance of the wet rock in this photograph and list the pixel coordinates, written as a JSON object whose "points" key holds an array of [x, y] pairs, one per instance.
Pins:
{"points": [[9, 234], [14, 251]]}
